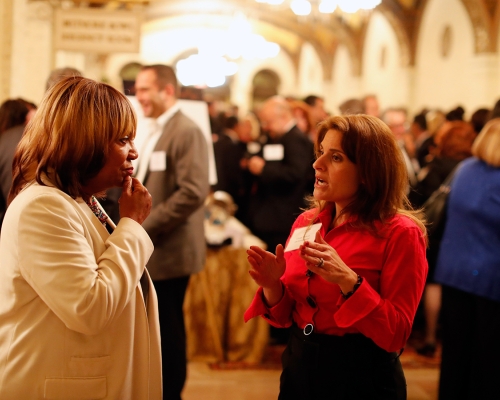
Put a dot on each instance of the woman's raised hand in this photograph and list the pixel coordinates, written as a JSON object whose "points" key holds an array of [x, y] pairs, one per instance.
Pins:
{"points": [[332, 268], [267, 268], [266, 271], [135, 201]]}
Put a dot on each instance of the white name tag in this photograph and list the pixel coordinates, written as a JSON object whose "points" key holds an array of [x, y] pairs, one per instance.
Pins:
{"points": [[301, 235], [273, 152], [158, 161], [253, 147]]}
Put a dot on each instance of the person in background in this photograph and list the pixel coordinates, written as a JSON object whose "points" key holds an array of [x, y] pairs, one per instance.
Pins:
{"points": [[349, 292], [60, 73], [228, 154], [78, 311], [174, 168], [282, 173], [495, 111], [456, 114], [396, 119], [434, 119], [302, 114], [421, 136], [352, 107], [32, 107], [215, 117], [479, 118], [317, 113], [453, 144], [371, 105], [13, 115], [468, 268], [248, 130]]}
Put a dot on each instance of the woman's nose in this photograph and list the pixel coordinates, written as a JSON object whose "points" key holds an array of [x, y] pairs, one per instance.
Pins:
{"points": [[317, 163], [133, 153]]}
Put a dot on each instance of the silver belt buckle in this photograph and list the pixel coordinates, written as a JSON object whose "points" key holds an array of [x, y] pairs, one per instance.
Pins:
{"points": [[308, 329]]}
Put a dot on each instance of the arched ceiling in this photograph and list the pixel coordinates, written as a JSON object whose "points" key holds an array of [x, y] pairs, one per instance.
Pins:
{"points": [[281, 25], [325, 33]]}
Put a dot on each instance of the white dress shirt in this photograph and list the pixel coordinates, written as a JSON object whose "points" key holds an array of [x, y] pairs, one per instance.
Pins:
{"points": [[149, 144]]}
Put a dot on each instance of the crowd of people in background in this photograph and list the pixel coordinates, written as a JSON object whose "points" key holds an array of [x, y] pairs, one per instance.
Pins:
{"points": [[264, 161]]}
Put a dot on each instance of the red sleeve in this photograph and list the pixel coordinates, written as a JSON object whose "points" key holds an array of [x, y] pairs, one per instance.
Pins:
{"points": [[387, 318], [279, 316]]}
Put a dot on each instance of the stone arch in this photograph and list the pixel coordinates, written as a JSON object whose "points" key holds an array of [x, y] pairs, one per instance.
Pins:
{"points": [[395, 21], [496, 28], [482, 25], [265, 84]]}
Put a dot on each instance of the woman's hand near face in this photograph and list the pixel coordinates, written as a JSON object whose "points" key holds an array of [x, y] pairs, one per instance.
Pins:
{"points": [[333, 270], [267, 270], [135, 201]]}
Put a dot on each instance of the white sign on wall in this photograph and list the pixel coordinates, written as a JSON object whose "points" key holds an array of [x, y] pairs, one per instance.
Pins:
{"points": [[97, 31]]}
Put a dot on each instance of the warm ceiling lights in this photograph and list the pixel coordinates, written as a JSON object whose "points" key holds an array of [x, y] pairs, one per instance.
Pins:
{"points": [[305, 7], [217, 53]]}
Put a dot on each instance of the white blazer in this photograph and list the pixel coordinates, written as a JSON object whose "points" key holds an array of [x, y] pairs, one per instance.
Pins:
{"points": [[73, 321]]}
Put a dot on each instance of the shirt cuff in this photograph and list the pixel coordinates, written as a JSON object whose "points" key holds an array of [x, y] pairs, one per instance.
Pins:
{"points": [[278, 315], [356, 307]]}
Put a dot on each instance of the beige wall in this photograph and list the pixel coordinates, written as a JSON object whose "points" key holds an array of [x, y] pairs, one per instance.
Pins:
{"points": [[345, 85], [310, 73], [446, 82], [6, 12], [383, 69]]}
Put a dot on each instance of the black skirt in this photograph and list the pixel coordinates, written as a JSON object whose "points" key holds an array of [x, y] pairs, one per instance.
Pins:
{"points": [[321, 367]]}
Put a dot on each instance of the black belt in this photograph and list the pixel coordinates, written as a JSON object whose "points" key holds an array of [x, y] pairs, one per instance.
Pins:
{"points": [[333, 341]]}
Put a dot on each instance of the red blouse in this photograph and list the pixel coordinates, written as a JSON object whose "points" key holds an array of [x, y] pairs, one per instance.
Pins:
{"points": [[393, 267]]}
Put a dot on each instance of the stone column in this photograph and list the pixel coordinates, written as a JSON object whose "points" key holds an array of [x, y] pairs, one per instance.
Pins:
{"points": [[6, 14]]}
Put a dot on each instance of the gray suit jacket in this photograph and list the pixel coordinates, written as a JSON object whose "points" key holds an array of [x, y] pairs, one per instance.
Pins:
{"points": [[175, 224], [8, 143]]}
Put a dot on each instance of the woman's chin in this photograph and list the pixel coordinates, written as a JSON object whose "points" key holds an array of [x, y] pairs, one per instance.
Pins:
{"points": [[319, 195]]}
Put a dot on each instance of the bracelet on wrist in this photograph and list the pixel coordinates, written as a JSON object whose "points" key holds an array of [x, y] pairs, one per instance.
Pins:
{"points": [[356, 286]]}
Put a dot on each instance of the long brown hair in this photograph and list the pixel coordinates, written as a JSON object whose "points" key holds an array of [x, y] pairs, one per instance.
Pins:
{"points": [[69, 137], [369, 143]]}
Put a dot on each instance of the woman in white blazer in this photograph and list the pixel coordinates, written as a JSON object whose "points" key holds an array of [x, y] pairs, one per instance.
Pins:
{"points": [[78, 312]]}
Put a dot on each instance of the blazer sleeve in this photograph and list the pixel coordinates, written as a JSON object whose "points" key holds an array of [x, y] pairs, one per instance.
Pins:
{"points": [[86, 291], [191, 178]]}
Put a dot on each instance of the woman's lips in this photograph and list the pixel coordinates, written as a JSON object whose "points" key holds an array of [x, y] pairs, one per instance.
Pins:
{"points": [[319, 182]]}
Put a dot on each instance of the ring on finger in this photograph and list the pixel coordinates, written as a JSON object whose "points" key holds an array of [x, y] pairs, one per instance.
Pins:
{"points": [[320, 263]]}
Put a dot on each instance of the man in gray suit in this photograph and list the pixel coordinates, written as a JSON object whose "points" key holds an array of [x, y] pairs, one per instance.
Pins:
{"points": [[173, 165]]}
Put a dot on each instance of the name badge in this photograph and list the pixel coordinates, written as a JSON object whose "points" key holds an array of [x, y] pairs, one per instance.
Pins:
{"points": [[158, 161], [301, 235], [273, 152], [253, 147]]}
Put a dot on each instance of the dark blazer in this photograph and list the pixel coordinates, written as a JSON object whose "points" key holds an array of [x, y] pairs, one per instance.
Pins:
{"points": [[283, 184], [228, 154], [8, 143], [175, 223]]}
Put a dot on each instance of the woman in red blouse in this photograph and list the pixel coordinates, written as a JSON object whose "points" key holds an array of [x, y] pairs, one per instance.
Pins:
{"points": [[350, 292]]}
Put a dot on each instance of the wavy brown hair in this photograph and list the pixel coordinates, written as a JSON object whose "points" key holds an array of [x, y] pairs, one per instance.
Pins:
{"points": [[370, 145], [69, 137], [454, 140]]}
